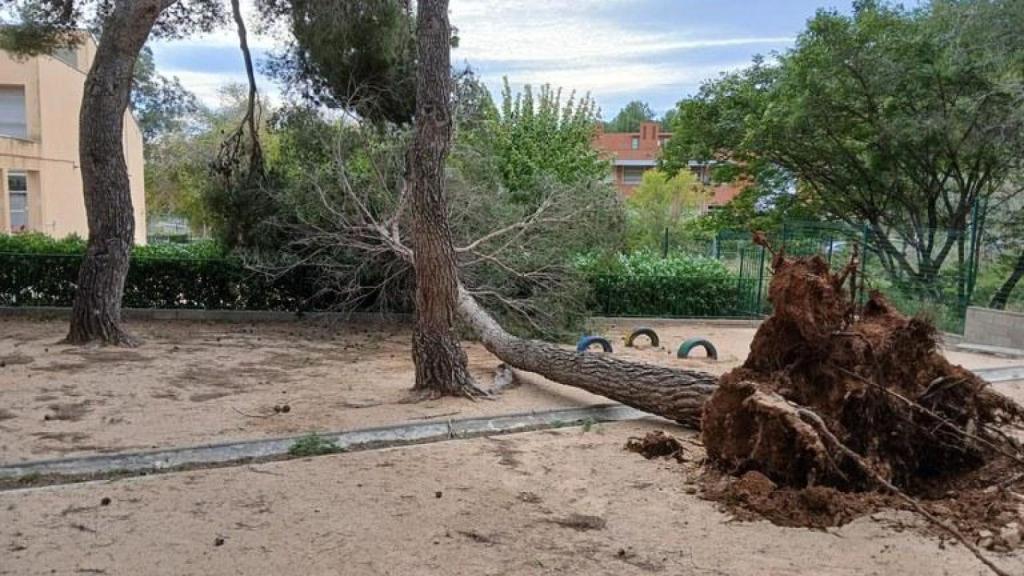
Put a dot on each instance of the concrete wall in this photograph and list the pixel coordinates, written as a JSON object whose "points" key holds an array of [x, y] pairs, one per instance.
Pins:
{"points": [[53, 96], [994, 328]]}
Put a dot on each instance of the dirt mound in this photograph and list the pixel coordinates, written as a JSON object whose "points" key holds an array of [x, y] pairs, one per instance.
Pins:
{"points": [[754, 496], [657, 444], [822, 374], [841, 410], [984, 506]]}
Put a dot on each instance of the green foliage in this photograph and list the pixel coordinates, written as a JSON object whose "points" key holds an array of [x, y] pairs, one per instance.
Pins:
{"points": [[537, 137], [313, 445], [354, 55], [160, 104], [993, 276], [644, 284], [663, 205], [864, 113], [630, 117], [764, 203], [899, 118], [180, 179], [713, 125], [36, 270], [32, 27], [523, 275]]}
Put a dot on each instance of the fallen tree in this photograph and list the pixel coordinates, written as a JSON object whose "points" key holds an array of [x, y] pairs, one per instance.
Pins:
{"points": [[672, 393]]}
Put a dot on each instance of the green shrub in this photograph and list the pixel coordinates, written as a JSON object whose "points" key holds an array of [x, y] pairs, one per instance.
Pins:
{"points": [[645, 284], [39, 271]]}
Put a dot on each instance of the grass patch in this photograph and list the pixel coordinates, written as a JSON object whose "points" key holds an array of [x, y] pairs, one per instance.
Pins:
{"points": [[314, 445]]}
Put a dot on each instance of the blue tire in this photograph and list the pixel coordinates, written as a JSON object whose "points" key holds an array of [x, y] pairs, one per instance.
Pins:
{"points": [[651, 335], [686, 347], [586, 342]]}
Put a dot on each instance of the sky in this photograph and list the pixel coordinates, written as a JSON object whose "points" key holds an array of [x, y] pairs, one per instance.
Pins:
{"points": [[657, 51]]}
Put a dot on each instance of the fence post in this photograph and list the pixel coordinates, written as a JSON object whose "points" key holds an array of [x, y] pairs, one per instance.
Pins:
{"points": [[977, 224], [760, 282], [664, 245], [865, 231], [741, 299]]}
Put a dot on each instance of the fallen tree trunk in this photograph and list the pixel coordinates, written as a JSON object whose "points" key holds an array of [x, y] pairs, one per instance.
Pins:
{"points": [[672, 393]]}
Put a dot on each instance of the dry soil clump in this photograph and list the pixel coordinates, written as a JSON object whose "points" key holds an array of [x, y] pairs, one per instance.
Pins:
{"points": [[839, 408]]}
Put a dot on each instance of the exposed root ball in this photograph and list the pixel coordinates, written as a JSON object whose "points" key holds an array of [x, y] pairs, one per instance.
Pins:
{"points": [[875, 380]]}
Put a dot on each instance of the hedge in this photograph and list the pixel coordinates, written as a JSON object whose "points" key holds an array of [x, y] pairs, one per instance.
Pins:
{"points": [[38, 271], [644, 284]]}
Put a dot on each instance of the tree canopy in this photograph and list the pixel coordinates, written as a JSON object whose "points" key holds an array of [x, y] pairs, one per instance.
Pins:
{"points": [[663, 203], [360, 56], [539, 135], [894, 117], [630, 117], [31, 27], [161, 104]]}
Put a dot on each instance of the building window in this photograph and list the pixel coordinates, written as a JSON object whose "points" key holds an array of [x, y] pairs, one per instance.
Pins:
{"points": [[17, 187], [12, 112], [636, 143], [633, 175]]}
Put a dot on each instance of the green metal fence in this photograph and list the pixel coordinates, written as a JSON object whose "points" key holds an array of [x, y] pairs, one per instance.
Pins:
{"points": [[928, 272]]}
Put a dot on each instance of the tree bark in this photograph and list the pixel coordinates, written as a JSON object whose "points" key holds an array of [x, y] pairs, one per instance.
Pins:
{"points": [[1003, 294], [96, 314], [672, 393], [439, 359]]}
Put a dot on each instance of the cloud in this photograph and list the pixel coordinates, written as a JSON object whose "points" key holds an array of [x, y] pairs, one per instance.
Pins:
{"points": [[207, 86], [623, 78], [610, 48]]}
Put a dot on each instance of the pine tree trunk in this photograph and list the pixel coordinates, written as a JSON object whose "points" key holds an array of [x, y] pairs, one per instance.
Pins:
{"points": [[674, 394], [96, 315], [439, 359], [1003, 294]]}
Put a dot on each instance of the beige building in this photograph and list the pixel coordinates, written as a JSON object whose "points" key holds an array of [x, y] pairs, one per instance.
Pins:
{"points": [[40, 179]]}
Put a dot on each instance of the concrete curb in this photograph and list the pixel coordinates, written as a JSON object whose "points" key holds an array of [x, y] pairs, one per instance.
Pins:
{"points": [[997, 351], [1002, 374], [86, 468], [69, 470]]}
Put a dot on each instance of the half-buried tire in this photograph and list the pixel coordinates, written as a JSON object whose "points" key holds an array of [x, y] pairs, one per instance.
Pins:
{"points": [[651, 335], [586, 342], [686, 347]]}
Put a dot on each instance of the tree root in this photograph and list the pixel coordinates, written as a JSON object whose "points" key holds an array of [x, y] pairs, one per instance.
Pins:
{"points": [[113, 336], [814, 420]]}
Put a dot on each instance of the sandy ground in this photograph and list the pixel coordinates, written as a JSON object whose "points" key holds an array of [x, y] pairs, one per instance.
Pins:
{"points": [[558, 502], [196, 383]]}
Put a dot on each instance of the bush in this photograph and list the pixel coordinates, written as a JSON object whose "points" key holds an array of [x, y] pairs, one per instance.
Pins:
{"points": [[644, 284], [39, 271]]}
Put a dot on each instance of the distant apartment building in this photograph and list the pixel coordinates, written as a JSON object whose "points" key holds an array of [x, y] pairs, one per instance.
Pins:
{"points": [[40, 177], [633, 153]]}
